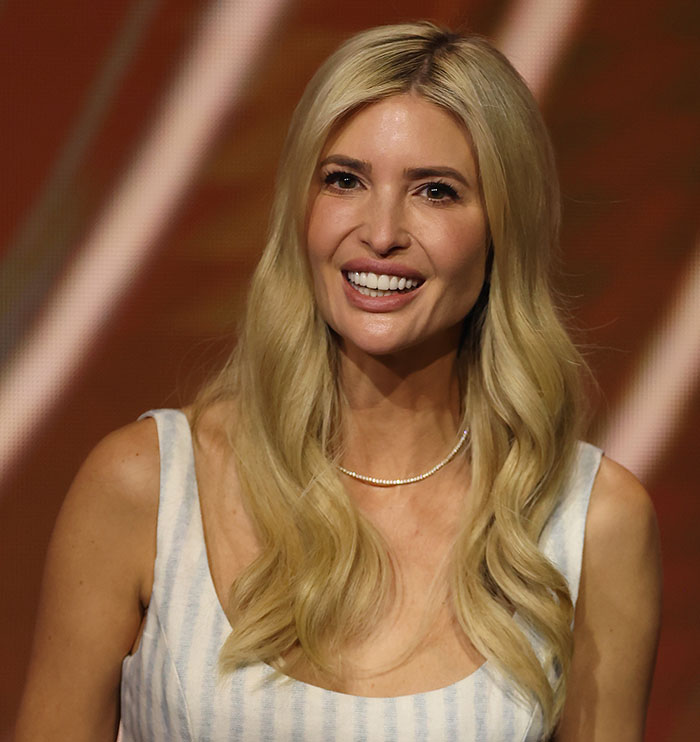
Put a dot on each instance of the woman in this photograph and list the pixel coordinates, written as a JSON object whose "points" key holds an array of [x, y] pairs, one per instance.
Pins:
{"points": [[386, 493]]}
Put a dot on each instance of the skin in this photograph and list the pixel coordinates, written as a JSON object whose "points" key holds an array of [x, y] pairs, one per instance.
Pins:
{"points": [[374, 205], [397, 365]]}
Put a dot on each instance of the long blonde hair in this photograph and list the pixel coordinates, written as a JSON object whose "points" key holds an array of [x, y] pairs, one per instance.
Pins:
{"points": [[315, 584]]}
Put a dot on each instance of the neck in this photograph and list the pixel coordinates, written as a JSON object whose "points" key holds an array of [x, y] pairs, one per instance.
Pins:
{"points": [[402, 413]]}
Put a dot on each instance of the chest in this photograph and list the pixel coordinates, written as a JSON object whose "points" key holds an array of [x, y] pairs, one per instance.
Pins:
{"points": [[172, 689], [417, 645]]}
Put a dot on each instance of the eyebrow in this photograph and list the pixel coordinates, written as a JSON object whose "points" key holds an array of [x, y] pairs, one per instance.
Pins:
{"points": [[417, 173], [361, 166], [414, 173]]}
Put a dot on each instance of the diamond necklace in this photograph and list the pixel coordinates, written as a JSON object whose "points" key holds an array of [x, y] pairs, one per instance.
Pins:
{"points": [[377, 482]]}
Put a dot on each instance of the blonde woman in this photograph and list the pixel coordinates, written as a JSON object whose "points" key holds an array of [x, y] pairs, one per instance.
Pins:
{"points": [[383, 526]]}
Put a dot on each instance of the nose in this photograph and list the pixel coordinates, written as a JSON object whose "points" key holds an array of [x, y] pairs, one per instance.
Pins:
{"points": [[384, 227]]}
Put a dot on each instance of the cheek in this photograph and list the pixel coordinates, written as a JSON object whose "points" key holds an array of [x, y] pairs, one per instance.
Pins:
{"points": [[318, 256], [318, 278], [314, 240], [473, 263], [319, 251], [467, 262], [318, 245], [330, 220]]}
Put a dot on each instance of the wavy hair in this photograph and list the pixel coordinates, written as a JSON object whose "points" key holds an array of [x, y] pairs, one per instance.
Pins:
{"points": [[321, 566]]}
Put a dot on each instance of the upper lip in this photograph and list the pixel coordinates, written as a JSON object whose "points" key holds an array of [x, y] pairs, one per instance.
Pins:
{"points": [[389, 268]]}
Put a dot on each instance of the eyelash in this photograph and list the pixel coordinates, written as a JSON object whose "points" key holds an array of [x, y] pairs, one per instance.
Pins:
{"points": [[332, 179], [449, 193], [444, 188]]}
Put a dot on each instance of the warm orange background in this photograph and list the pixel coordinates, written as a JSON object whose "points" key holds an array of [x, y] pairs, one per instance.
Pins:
{"points": [[624, 114]]}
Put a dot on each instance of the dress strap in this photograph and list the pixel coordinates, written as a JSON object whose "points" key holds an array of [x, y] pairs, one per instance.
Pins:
{"points": [[563, 536], [179, 519]]}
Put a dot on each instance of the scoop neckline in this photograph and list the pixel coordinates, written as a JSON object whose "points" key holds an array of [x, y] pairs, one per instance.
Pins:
{"points": [[271, 671]]}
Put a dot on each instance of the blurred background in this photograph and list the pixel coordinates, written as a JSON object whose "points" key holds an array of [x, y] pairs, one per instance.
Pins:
{"points": [[138, 146]]}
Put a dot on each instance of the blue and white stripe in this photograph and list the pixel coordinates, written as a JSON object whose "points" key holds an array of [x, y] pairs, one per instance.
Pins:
{"points": [[171, 689]]}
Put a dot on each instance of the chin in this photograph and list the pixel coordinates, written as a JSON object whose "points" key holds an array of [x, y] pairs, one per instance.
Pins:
{"points": [[417, 350], [377, 347], [392, 339]]}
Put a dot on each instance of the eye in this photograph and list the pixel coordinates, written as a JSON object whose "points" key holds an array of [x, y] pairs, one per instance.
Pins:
{"points": [[439, 191], [341, 180]]}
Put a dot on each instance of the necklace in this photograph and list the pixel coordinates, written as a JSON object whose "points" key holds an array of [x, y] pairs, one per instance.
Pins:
{"points": [[409, 480]]}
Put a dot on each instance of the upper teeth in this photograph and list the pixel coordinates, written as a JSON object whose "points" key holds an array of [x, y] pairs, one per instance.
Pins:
{"points": [[382, 282]]}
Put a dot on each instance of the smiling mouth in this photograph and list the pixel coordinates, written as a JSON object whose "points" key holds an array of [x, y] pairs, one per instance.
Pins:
{"points": [[371, 284]]}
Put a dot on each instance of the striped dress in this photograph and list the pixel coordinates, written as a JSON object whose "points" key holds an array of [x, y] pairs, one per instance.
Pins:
{"points": [[170, 687]]}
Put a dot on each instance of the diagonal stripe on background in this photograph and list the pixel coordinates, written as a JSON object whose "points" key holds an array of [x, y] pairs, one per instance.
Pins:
{"points": [[534, 36], [125, 236], [641, 428], [231, 36], [22, 291]]}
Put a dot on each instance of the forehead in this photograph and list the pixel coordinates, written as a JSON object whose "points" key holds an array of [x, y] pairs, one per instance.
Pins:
{"points": [[403, 127]]}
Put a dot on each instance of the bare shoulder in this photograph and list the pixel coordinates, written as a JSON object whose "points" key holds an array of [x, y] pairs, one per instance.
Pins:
{"points": [[617, 613], [621, 515], [621, 507], [115, 495], [125, 464], [97, 581]]}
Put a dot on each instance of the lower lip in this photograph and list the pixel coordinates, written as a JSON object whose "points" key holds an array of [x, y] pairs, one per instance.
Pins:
{"points": [[378, 303]]}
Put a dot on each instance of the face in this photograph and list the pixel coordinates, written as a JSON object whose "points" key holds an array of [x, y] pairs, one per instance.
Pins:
{"points": [[396, 232]]}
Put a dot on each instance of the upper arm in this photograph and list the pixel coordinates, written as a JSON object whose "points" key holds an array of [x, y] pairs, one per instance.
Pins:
{"points": [[617, 614], [98, 572]]}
